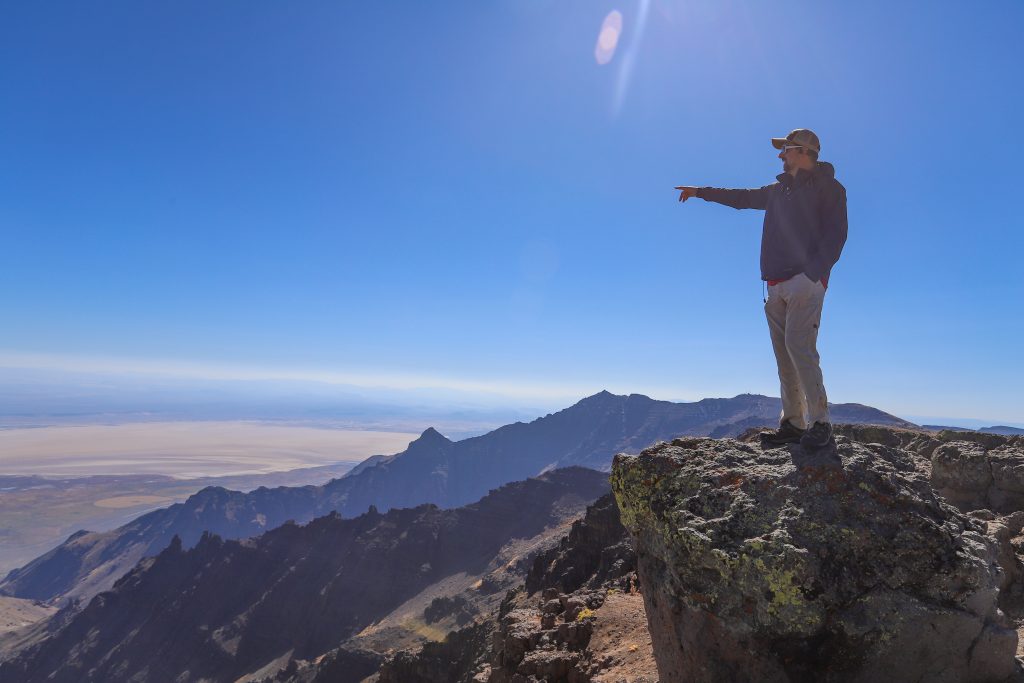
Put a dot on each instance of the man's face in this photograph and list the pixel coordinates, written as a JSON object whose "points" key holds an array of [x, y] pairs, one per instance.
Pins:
{"points": [[788, 154], [794, 157]]}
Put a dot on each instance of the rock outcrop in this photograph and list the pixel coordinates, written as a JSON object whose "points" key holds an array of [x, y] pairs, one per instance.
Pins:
{"points": [[545, 641], [543, 633], [597, 551], [985, 473], [776, 565], [456, 659], [578, 619]]}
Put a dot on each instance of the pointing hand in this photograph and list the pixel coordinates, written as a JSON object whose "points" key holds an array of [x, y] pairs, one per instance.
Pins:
{"points": [[685, 192]]}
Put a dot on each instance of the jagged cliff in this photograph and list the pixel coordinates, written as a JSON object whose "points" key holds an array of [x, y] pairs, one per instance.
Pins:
{"points": [[226, 609], [780, 565], [577, 618]]}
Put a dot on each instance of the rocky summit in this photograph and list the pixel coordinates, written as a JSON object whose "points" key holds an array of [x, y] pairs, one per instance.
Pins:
{"points": [[778, 565]]}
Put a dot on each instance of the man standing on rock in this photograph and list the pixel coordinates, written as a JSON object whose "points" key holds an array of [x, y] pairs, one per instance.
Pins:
{"points": [[803, 236]]}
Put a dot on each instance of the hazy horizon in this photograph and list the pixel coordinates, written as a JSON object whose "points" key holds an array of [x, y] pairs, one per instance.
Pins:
{"points": [[32, 397]]}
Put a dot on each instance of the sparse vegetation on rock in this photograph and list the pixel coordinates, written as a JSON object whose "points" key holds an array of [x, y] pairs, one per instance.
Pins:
{"points": [[775, 566]]}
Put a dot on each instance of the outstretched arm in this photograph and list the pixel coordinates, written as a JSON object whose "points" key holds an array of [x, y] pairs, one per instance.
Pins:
{"points": [[737, 199]]}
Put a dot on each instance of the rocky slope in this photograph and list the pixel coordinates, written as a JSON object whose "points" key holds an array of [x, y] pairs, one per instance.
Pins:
{"points": [[227, 609], [781, 565], [578, 618], [17, 616], [596, 551], [432, 470]]}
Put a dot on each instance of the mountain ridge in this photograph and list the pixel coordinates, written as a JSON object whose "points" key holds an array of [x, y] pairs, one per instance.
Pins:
{"points": [[226, 608], [433, 469]]}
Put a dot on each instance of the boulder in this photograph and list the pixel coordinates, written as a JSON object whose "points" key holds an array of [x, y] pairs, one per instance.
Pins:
{"points": [[984, 473], [776, 565]]}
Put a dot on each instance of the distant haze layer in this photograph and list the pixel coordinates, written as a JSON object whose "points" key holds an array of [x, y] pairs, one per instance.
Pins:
{"points": [[186, 449]]}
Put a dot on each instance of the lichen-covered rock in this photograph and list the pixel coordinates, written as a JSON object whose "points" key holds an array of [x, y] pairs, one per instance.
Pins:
{"points": [[916, 441], [1007, 533], [989, 441], [759, 568], [984, 473]]}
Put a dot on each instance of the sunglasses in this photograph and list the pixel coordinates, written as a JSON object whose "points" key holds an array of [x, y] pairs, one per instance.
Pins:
{"points": [[786, 148]]}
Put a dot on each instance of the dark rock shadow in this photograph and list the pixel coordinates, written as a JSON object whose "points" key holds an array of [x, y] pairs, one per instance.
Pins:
{"points": [[827, 457]]}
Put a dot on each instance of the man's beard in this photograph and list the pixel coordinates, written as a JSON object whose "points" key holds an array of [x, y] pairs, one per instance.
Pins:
{"points": [[786, 168]]}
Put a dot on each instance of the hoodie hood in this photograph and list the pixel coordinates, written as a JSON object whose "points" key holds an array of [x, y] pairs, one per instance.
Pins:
{"points": [[822, 168], [826, 169]]}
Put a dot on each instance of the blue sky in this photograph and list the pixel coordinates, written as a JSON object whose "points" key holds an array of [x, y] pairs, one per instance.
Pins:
{"points": [[459, 195]]}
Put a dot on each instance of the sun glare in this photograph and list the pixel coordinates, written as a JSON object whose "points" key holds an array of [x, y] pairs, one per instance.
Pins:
{"points": [[608, 38]]}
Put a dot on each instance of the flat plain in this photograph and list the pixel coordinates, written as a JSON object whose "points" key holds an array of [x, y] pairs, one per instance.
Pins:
{"points": [[57, 480], [187, 450]]}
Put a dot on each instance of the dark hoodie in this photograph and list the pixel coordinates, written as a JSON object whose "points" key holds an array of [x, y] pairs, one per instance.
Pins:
{"points": [[804, 221]]}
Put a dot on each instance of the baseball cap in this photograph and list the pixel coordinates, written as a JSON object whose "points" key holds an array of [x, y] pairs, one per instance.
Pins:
{"points": [[800, 136]]}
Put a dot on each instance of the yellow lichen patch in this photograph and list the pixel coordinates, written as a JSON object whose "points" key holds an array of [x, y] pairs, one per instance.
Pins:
{"points": [[424, 630], [784, 591]]}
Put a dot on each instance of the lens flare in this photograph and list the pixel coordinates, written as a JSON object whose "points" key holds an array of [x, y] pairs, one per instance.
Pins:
{"points": [[628, 61], [608, 38]]}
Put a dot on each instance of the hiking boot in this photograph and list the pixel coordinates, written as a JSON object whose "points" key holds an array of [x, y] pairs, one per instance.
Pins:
{"points": [[786, 433], [818, 435]]}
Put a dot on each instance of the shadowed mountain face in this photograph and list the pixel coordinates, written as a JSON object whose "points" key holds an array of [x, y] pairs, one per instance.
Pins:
{"points": [[88, 562], [227, 608], [432, 470]]}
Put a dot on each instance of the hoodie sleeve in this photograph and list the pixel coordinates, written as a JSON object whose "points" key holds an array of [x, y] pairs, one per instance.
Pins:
{"points": [[833, 225], [737, 199]]}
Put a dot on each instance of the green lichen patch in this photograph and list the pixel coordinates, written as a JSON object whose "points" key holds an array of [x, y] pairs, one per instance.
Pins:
{"points": [[784, 553]]}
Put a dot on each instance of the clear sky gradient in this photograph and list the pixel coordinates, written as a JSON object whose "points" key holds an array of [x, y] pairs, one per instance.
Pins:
{"points": [[460, 193]]}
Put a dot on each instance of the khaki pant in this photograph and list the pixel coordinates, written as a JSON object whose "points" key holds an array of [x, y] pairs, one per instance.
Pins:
{"points": [[793, 310]]}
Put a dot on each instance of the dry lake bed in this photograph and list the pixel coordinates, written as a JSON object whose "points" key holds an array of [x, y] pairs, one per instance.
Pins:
{"points": [[186, 449], [57, 480]]}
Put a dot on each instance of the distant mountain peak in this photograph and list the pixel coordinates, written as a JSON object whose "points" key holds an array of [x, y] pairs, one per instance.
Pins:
{"points": [[602, 396], [432, 436]]}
